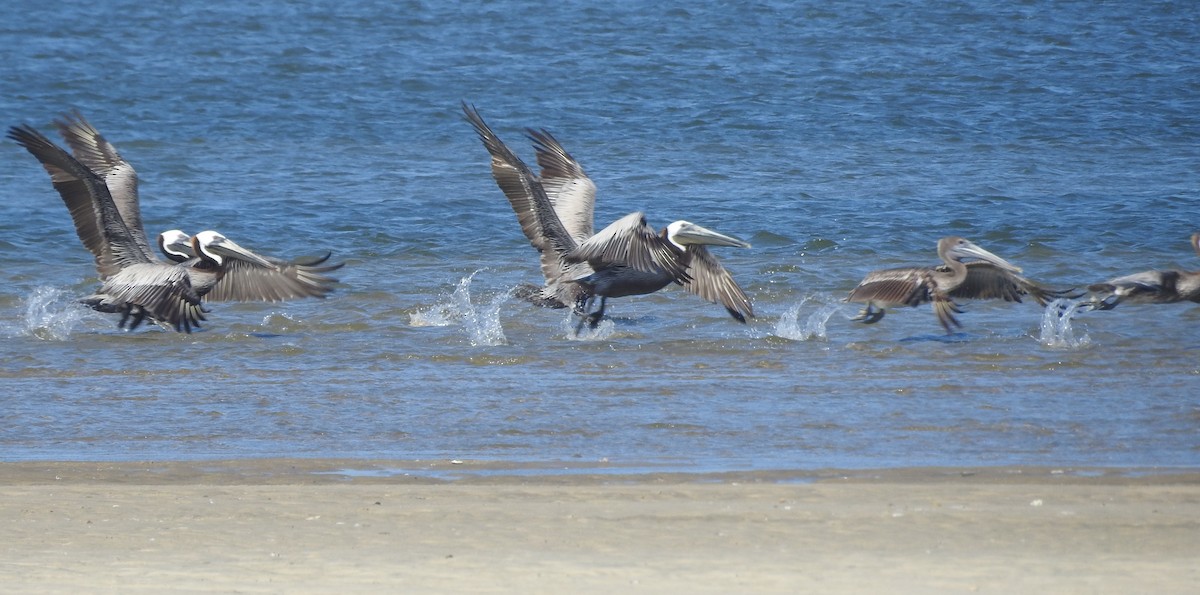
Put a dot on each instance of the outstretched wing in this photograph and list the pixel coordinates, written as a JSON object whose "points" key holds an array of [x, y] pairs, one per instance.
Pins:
{"points": [[712, 282], [100, 156], [246, 281], [571, 191], [97, 221], [907, 286], [535, 213], [986, 281]]}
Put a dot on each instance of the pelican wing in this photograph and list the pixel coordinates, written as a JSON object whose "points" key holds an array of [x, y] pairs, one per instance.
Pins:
{"points": [[1146, 287], [571, 191], [630, 241], [163, 290], [246, 281], [986, 281], [712, 282], [100, 156], [97, 220], [945, 309], [895, 287], [529, 201]]}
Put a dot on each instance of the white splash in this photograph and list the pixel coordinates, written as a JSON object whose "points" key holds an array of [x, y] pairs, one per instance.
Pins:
{"points": [[280, 321], [604, 329], [1057, 331], [448, 312], [789, 327], [51, 314], [481, 323], [484, 323]]}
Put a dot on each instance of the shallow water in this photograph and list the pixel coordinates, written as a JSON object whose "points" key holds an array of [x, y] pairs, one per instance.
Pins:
{"points": [[836, 138]]}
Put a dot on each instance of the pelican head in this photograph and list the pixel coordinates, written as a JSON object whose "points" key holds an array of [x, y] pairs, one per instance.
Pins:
{"points": [[216, 247], [681, 233], [956, 248], [1196, 242], [175, 245]]}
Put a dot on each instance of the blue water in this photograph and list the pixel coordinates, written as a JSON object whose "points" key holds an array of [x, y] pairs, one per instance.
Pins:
{"points": [[837, 137]]}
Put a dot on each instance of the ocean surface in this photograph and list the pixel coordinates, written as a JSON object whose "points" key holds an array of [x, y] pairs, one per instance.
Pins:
{"points": [[836, 137]]}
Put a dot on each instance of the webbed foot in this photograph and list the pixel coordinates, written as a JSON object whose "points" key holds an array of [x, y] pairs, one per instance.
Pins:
{"points": [[870, 315]]}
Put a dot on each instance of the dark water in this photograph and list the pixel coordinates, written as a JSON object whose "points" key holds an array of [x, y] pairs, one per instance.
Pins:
{"points": [[836, 137]]}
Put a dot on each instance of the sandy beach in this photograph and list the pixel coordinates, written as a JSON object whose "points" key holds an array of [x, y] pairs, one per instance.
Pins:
{"points": [[303, 526]]}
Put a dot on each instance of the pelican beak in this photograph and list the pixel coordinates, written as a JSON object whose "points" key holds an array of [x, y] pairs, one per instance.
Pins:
{"points": [[971, 250], [181, 246], [229, 249], [690, 233]]}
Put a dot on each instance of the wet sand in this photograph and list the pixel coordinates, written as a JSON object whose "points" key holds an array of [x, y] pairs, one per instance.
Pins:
{"points": [[308, 526]]}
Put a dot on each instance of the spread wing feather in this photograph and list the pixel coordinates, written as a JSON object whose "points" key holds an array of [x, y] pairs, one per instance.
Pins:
{"points": [[246, 281], [100, 156], [571, 191], [894, 287], [534, 211], [711, 281], [986, 281], [97, 220]]}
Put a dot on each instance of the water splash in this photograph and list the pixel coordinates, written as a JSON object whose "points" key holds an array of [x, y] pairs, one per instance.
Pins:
{"points": [[484, 323], [789, 327], [51, 314], [280, 322], [449, 312], [481, 323], [604, 330], [1057, 331]]}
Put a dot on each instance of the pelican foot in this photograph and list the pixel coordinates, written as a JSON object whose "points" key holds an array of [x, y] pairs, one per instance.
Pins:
{"points": [[1105, 304], [870, 315]]}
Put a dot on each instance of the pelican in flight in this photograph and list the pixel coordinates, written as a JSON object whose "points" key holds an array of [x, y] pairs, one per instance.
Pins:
{"points": [[100, 191], [989, 277], [1149, 287], [240, 275], [626, 258]]}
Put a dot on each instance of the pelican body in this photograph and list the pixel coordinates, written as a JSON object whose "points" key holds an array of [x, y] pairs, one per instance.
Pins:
{"points": [[626, 258], [99, 189], [1149, 287], [990, 277]]}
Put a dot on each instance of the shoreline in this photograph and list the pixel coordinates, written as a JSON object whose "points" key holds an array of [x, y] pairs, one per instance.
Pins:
{"points": [[318, 471], [300, 526]]}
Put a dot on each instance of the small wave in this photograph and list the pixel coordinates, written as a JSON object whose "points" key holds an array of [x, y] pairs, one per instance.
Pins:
{"points": [[51, 314], [1057, 331], [280, 322]]}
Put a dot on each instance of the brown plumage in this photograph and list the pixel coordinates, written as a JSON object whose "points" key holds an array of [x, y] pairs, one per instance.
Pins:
{"points": [[991, 277], [626, 258], [1149, 287], [100, 190]]}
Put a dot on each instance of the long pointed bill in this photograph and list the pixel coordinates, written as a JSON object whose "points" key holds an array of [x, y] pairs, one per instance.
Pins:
{"points": [[228, 248], [971, 250], [690, 233], [183, 248]]}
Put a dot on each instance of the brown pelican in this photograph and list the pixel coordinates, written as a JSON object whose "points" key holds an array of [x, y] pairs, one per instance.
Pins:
{"points": [[991, 277], [1149, 287], [107, 218], [222, 271], [626, 258], [134, 281]]}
